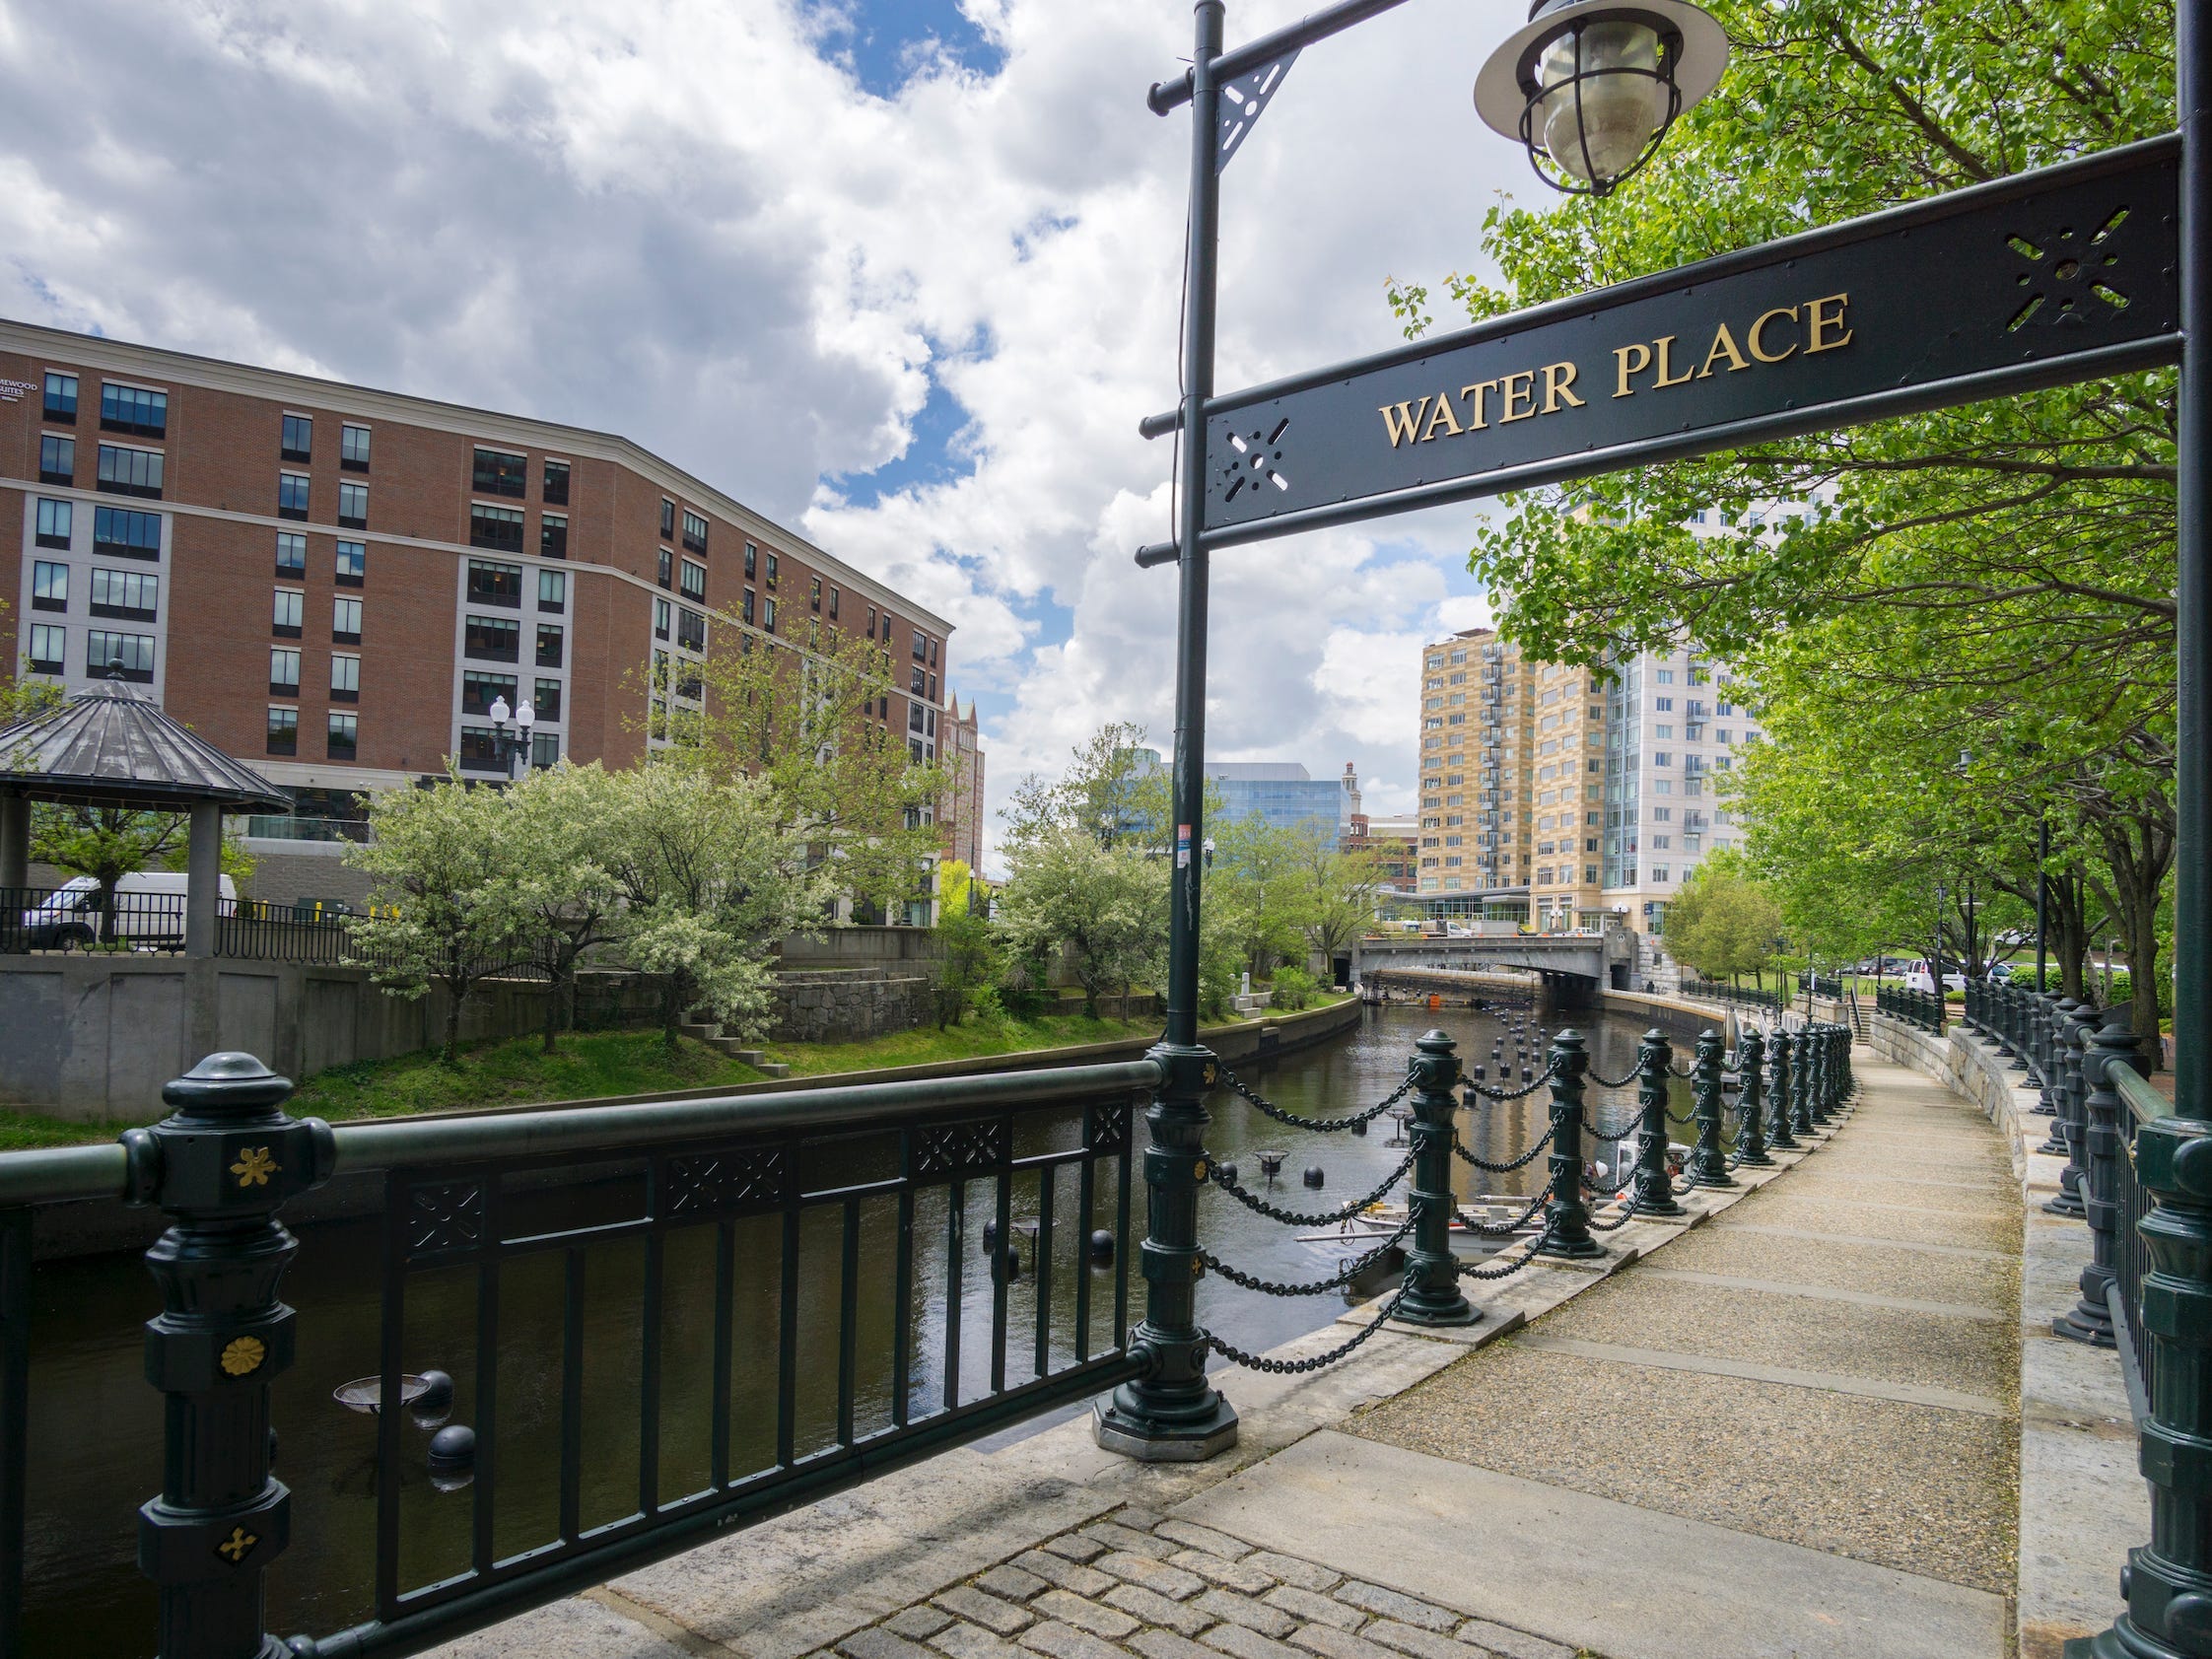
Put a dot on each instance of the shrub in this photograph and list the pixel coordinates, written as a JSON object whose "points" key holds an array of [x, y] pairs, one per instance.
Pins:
{"points": [[1293, 988]]}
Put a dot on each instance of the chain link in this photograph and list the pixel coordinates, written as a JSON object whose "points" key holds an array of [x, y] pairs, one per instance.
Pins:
{"points": [[1320, 1126], [1501, 1229], [1542, 1078], [1616, 1082], [1627, 1214], [1351, 1271], [1297, 1219], [1298, 1367], [1522, 1162], [1521, 1261]]}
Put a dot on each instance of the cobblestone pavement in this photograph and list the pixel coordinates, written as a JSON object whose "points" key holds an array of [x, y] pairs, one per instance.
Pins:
{"points": [[1169, 1589]]}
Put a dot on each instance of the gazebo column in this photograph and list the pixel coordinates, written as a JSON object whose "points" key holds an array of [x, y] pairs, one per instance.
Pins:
{"points": [[15, 841], [203, 876]]}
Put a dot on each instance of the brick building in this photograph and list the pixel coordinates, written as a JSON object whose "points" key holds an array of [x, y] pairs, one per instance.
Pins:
{"points": [[960, 746], [335, 583], [1478, 698]]}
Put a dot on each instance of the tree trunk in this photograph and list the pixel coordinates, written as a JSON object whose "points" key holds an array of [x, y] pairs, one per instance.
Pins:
{"points": [[2139, 850], [552, 1010], [455, 990]]}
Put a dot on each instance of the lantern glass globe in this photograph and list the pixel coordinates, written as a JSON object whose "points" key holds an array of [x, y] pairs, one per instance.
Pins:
{"points": [[1598, 114]]}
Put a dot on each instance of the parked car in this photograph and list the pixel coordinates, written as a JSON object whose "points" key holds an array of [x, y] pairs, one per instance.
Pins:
{"points": [[2000, 971], [149, 910], [1918, 977]]}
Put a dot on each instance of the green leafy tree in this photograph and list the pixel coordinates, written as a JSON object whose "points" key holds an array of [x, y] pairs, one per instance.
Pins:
{"points": [[108, 842], [1258, 885], [1724, 922], [1104, 905], [558, 838], [1340, 890], [970, 962], [443, 909]]}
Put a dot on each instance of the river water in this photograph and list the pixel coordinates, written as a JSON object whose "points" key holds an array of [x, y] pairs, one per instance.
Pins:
{"points": [[96, 1425]]}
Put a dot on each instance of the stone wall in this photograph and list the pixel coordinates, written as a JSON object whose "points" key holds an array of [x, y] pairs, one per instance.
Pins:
{"points": [[847, 1004], [1973, 1068]]}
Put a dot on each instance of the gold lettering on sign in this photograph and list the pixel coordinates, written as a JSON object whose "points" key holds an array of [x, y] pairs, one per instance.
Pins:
{"points": [[1822, 323], [1401, 425], [1666, 349], [1559, 377], [1759, 328], [1633, 359], [1480, 392], [1521, 386], [1444, 417], [1724, 344]]}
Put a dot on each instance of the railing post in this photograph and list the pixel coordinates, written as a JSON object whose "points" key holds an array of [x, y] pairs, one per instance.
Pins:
{"points": [[1708, 1163], [1779, 1137], [1172, 1413], [1654, 1191], [220, 1166], [2049, 1072], [1751, 1127], [1566, 1219], [2167, 1582], [2074, 1036], [1812, 1061], [1432, 1294], [1801, 1088], [2091, 1319]]}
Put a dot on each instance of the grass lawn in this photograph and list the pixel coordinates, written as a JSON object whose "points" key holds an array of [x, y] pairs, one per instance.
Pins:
{"points": [[975, 1040]]}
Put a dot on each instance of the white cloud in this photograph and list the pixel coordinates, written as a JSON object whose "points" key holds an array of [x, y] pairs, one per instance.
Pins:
{"points": [[682, 221]]}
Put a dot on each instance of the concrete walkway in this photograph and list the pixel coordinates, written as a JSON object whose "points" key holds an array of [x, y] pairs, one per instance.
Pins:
{"points": [[1788, 1429]]}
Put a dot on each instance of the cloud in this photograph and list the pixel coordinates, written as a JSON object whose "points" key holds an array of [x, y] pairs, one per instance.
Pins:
{"points": [[706, 224]]}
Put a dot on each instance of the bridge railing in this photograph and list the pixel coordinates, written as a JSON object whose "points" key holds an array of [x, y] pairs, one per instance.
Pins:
{"points": [[1720, 990]]}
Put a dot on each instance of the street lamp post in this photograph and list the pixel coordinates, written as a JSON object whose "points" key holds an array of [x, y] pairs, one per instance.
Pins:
{"points": [[512, 744]]}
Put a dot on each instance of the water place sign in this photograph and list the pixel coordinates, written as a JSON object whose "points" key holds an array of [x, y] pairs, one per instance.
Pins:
{"points": [[2047, 277]]}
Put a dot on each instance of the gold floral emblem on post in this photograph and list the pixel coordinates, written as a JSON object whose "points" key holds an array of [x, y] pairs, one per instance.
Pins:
{"points": [[235, 1547], [244, 1355], [255, 1167], [1211, 1074]]}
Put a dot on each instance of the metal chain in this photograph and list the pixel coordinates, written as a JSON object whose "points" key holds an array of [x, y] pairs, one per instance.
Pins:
{"points": [[1351, 1271], [1590, 1186], [1627, 1214], [1542, 1078], [1522, 1162], [1297, 1219], [1513, 1266], [1616, 1082], [1609, 1137], [1298, 1367], [1501, 1229], [1320, 1126]]}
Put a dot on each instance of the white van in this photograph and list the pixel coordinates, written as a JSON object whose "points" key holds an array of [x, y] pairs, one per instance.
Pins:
{"points": [[149, 910]]}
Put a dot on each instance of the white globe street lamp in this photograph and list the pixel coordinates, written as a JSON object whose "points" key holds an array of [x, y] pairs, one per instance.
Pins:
{"points": [[1590, 87]]}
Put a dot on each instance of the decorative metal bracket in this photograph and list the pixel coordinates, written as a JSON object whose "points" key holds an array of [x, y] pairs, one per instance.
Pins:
{"points": [[1243, 101]]}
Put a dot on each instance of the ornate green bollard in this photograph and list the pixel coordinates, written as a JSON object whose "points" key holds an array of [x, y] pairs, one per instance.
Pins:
{"points": [[1433, 1295], [2091, 1318], [220, 1166], [1779, 1138], [1566, 1220], [2074, 1037], [1750, 1126], [2167, 1582], [1801, 1088], [1709, 1161], [2050, 1071], [1654, 1191]]}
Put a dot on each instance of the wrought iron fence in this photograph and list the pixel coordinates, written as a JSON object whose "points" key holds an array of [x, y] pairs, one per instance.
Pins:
{"points": [[1916, 1009], [1720, 990]]}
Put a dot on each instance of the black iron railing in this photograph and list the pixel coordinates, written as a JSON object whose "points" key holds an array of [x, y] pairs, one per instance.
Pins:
{"points": [[1916, 1009], [1720, 990]]}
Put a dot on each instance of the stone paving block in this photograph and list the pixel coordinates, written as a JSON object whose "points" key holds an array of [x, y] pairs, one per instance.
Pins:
{"points": [[1152, 1609], [1235, 1575], [1240, 1644], [986, 1610], [1116, 1537], [1075, 1547], [1332, 1643], [968, 1641], [1214, 1543], [1014, 1583], [1304, 1604], [1068, 1575], [1292, 1571], [918, 1623], [876, 1642], [1166, 1645], [1389, 1604], [1242, 1610], [1510, 1643], [1085, 1614], [1417, 1643], [1172, 1583], [1136, 1516], [1065, 1641]]}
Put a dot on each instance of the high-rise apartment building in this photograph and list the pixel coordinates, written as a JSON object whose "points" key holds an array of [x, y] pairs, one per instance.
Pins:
{"points": [[1569, 809], [336, 584], [1476, 740]]}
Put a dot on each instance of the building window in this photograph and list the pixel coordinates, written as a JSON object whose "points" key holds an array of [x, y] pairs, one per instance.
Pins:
{"points": [[814, 593], [548, 646], [546, 700], [667, 572], [546, 748], [752, 560], [667, 518], [480, 750], [48, 644], [695, 582], [1663, 731], [479, 690], [284, 732], [557, 483], [49, 586], [297, 444], [500, 473], [121, 533], [284, 671], [292, 554], [768, 616], [497, 527], [286, 613], [61, 397], [914, 686], [345, 679], [353, 562], [353, 448], [133, 596], [1665, 705], [133, 409], [345, 621], [748, 605], [495, 638], [135, 652], [552, 589], [694, 531], [129, 472], [771, 570], [56, 522], [661, 611], [833, 604], [493, 584], [553, 536], [57, 459], [345, 735], [691, 630], [353, 505], [871, 622], [1658, 873], [921, 645]]}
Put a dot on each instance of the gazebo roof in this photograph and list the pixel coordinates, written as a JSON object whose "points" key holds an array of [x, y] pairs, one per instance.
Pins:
{"points": [[110, 745]]}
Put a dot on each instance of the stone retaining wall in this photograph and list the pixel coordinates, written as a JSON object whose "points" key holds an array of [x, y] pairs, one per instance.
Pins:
{"points": [[1974, 1070], [849, 1005]]}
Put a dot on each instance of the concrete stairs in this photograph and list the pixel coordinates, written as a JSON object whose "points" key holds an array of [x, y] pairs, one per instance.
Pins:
{"points": [[709, 1032]]}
